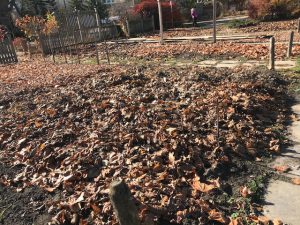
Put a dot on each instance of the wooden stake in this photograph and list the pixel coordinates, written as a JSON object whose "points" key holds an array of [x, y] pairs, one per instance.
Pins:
{"points": [[272, 54], [29, 49], [161, 26], [79, 26], [153, 23], [214, 21], [290, 47], [63, 47], [218, 122], [122, 202], [105, 43]]}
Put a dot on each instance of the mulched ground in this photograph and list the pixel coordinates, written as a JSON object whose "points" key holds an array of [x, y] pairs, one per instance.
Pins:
{"points": [[71, 129], [21, 208], [194, 50]]}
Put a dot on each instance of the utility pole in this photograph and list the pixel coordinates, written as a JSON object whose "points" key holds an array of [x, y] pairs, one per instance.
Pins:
{"points": [[214, 21], [160, 22]]}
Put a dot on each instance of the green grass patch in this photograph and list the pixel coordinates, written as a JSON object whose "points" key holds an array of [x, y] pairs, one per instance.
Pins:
{"points": [[242, 23], [297, 68]]}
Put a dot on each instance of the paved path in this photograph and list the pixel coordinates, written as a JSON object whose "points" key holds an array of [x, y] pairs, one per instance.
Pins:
{"points": [[219, 21], [283, 198], [279, 65], [185, 38]]}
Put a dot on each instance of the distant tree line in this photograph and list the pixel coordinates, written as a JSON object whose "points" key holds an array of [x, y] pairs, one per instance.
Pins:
{"points": [[42, 7]]}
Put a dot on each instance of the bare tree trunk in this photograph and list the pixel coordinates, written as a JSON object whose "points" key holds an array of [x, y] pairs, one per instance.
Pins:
{"points": [[160, 22]]}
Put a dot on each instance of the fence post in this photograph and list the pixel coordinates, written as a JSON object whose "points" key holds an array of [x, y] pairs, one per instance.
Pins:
{"points": [[153, 23], [272, 54], [214, 21], [13, 51], [142, 24], [41, 45], [62, 47], [76, 48], [29, 49], [79, 25], [160, 22], [99, 34], [290, 47], [122, 202], [128, 27], [98, 28]]}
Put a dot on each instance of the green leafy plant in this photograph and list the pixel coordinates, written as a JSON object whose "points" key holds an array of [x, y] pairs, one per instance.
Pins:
{"points": [[242, 23]]}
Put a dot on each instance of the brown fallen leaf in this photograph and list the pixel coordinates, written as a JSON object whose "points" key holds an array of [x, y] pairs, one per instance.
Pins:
{"points": [[214, 215], [198, 186], [49, 189], [282, 169], [277, 222], [296, 181], [245, 191], [264, 220], [38, 124], [95, 208], [237, 221]]}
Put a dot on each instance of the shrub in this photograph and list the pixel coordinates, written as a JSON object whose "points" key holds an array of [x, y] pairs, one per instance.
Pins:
{"points": [[20, 44], [33, 25], [271, 9], [149, 8]]}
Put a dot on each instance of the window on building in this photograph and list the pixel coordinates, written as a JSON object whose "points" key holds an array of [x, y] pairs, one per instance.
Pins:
{"points": [[109, 1]]}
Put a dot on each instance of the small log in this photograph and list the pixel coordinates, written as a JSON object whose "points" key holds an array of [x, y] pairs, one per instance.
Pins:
{"points": [[290, 47], [272, 54], [122, 202]]}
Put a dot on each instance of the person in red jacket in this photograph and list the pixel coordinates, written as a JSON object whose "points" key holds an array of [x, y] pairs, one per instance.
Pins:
{"points": [[194, 16]]}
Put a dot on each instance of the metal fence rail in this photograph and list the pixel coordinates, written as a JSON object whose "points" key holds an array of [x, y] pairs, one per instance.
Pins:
{"points": [[7, 52]]}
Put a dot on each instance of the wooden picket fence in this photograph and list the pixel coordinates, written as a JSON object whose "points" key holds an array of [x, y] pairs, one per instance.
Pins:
{"points": [[7, 52]]}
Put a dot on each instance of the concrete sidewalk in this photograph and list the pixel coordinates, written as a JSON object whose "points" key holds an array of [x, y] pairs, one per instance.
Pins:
{"points": [[219, 21], [283, 198], [279, 65], [184, 38]]}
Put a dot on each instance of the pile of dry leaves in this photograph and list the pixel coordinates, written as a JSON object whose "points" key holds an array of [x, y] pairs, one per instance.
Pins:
{"points": [[170, 133], [189, 50]]}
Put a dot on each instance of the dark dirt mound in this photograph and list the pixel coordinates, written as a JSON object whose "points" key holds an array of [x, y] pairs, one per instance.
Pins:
{"points": [[173, 134], [22, 208]]}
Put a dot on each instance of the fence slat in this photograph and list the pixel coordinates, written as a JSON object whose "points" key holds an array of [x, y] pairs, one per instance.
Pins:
{"points": [[7, 52]]}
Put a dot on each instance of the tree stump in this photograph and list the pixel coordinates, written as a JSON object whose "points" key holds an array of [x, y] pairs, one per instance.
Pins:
{"points": [[122, 202]]}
